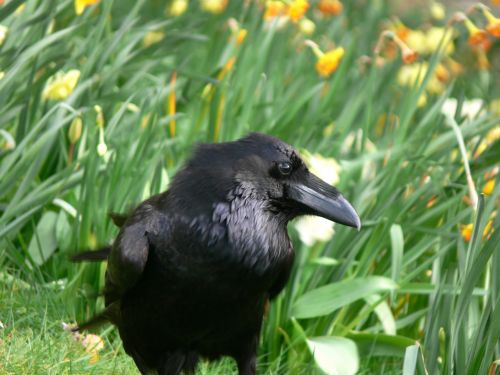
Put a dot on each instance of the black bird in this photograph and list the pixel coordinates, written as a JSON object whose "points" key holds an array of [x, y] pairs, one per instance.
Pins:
{"points": [[192, 268]]}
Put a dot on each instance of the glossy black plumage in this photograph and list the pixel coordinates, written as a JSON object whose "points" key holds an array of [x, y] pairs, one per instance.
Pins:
{"points": [[192, 268]]}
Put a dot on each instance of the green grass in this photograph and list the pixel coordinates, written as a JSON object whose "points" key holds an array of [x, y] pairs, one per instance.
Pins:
{"points": [[406, 294]]}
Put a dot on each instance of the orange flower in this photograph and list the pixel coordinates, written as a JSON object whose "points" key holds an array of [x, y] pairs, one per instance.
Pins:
{"points": [[408, 55], [489, 187], [274, 9], [493, 26], [329, 62], [242, 34], [432, 201], [466, 231], [477, 37], [442, 74], [330, 7], [297, 9]]}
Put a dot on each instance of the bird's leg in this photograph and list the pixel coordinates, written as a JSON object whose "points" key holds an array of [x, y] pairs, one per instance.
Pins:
{"points": [[246, 366], [248, 358]]}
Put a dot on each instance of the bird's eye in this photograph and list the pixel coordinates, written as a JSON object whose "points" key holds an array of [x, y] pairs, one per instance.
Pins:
{"points": [[285, 168]]}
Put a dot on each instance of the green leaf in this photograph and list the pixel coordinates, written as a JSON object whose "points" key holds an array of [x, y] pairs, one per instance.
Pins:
{"points": [[383, 312], [325, 261], [379, 344], [63, 230], [334, 355], [328, 298], [43, 242], [410, 361], [397, 245]]}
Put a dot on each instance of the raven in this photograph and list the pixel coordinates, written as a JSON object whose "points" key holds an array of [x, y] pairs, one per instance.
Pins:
{"points": [[193, 268]]}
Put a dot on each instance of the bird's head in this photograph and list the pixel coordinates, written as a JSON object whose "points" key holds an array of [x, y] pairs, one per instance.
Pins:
{"points": [[264, 169]]}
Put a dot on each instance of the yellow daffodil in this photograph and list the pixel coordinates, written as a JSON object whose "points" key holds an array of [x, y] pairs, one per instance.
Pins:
{"points": [[466, 231], [489, 187], [178, 7], [239, 33], [417, 40], [437, 11], [493, 135], [297, 9], [274, 9], [410, 75], [493, 26], [80, 5], [153, 37], [433, 38], [213, 6], [477, 36], [427, 42], [330, 7], [61, 85], [3, 33], [327, 62], [241, 36], [2, 74], [307, 26]]}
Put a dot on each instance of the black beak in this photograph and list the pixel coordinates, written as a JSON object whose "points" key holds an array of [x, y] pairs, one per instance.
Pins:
{"points": [[316, 197]]}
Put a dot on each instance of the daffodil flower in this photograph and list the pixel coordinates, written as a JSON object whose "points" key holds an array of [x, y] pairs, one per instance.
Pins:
{"points": [[330, 7], [477, 36], [297, 9], [178, 7], [153, 37], [327, 62], [80, 5], [493, 26], [467, 230], [213, 6], [274, 9], [489, 187], [61, 85]]}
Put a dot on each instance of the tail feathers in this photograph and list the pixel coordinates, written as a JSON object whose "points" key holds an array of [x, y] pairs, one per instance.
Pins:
{"points": [[92, 255]]}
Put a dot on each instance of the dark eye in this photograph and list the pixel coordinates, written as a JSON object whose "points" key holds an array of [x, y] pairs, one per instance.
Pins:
{"points": [[285, 168]]}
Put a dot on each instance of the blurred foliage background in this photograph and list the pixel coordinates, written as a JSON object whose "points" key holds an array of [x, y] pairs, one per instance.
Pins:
{"points": [[398, 105]]}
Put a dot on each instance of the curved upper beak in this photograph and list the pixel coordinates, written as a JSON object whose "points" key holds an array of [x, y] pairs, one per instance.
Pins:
{"points": [[316, 197]]}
